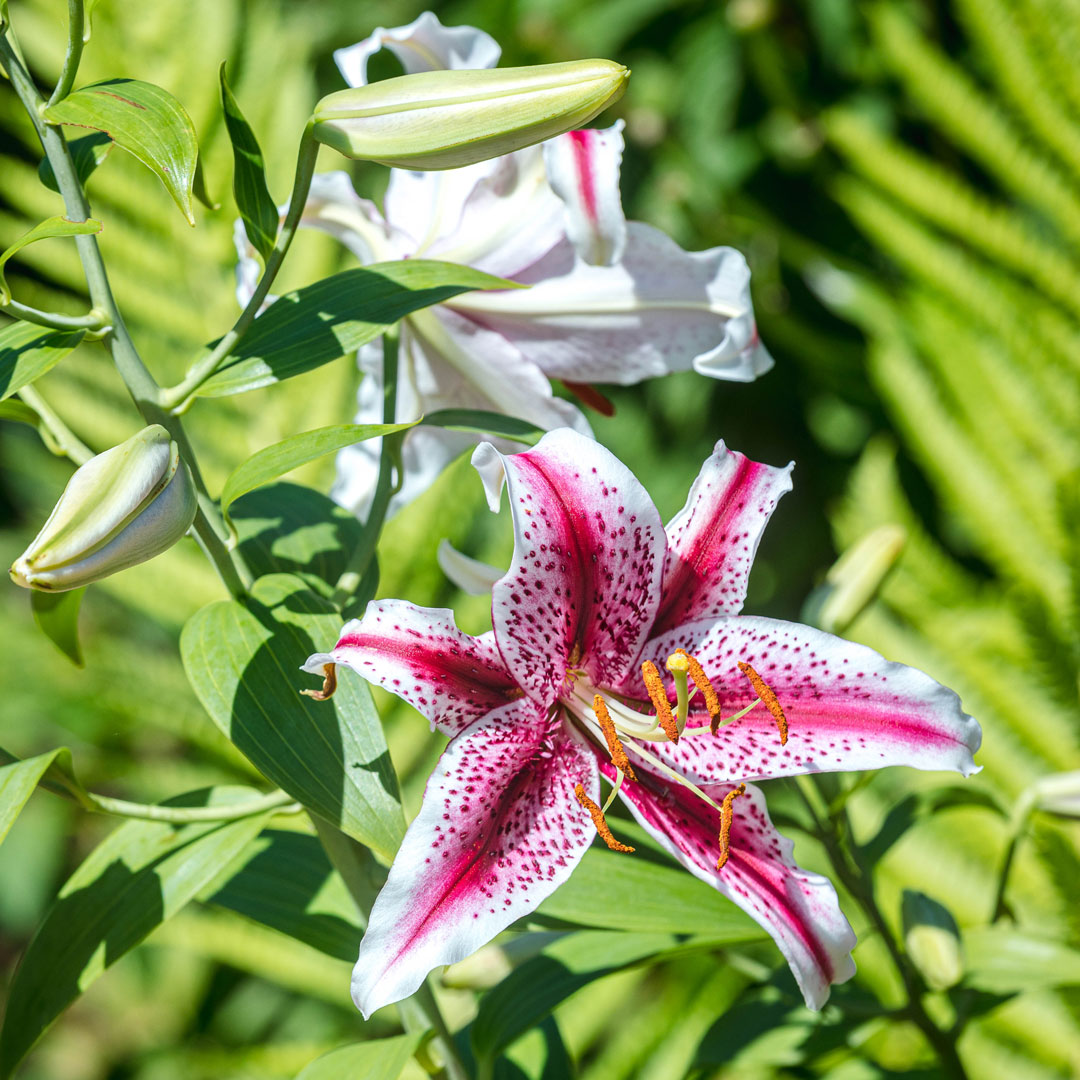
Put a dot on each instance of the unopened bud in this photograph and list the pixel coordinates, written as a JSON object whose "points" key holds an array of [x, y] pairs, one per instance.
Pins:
{"points": [[855, 578], [1058, 793], [121, 508], [932, 940], [446, 119]]}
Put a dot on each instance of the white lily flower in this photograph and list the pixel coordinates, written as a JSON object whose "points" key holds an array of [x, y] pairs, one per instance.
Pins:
{"points": [[610, 301]]}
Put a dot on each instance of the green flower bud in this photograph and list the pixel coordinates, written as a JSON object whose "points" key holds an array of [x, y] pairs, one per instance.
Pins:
{"points": [[1057, 793], [855, 578], [932, 940], [121, 508], [445, 119]]}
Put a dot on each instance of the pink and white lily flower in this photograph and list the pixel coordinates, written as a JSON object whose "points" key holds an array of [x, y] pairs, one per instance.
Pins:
{"points": [[567, 691], [610, 301]]}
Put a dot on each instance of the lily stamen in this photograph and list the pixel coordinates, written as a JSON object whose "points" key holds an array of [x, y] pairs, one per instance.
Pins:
{"points": [[772, 703], [727, 814], [654, 684], [708, 691], [600, 821], [329, 684], [614, 743]]}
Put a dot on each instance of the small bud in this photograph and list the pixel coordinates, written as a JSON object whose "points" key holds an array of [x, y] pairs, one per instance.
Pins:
{"points": [[932, 940], [855, 578], [1058, 793], [446, 119], [121, 508]]}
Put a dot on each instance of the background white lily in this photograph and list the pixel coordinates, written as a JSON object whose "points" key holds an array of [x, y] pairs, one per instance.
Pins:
{"points": [[610, 301]]}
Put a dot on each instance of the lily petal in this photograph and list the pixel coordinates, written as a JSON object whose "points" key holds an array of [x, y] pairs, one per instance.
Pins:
{"points": [[797, 908], [423, 45], [420, 655], [499, 830], [583, 586], [660, 309], [713, 539], [846, 707], [583, 170]]}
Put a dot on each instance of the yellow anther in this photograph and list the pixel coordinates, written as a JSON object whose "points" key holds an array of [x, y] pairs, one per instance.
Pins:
{"points": [[614, 744], [329, 684], [658, 696], [708, 691], [765, 692], [599, 821], [727, 813]]}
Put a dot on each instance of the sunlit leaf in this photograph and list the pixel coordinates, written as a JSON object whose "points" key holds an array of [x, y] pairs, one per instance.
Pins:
{"points": [[1005, 959], [87, 152], [19, 412], [478, 421], [243, 661], [17, 783], [145, 120], [50, 227], [377, 1059], [320, 323], [57, 615], [28, 351]]}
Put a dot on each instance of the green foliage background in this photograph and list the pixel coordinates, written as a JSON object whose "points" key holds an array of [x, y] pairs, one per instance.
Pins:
{"points": [[905, 179]]}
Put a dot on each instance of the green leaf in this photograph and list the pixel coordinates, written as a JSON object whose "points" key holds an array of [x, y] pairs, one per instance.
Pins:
{"points": [[1006, 959], [378, 1059], [243, 660], [485, 423], [320, 323], [28, 351], [144, 120], [57, 615], [54, 226], [19, 412], [87, 152], [198, 187], [274, 461], [139, 876], [258, 211], [17, 782]]}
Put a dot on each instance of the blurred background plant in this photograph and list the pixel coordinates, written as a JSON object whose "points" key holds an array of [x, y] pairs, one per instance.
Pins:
{"points": [[905, 179]]}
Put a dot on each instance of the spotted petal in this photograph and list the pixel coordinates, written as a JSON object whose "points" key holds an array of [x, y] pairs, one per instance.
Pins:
{"points": [[799, 909], [713, 539], [420, 655], [588, 553], [423, 45], [846, 707], [499, 830]]}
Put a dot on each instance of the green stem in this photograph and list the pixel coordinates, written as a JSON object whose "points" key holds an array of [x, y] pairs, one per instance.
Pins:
{"points": [[185, 815], [144, 391], [71, 445], [76, 30], [94, 320], [1020, 816], [176, 397], [852, 877], [364, 551]]}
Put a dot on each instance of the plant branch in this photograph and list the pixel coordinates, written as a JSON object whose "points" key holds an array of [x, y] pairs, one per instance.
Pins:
{"points": [[94, 320], [76, 31], [68, 442], [185, 815]]}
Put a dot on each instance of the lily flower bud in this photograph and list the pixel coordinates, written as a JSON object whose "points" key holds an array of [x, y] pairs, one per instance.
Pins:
{"points": [[445, 119], [932, 940], [122, 507], [1057, 793]]}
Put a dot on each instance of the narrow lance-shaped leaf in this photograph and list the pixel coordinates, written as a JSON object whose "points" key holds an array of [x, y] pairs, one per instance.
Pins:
{"points": [[87, 152], [479, 421], [139, 876], [377, 1059], [258, 211], [332, 318], [54, 226], [19, 412], [274, 461], [145, 120], [57, 615], [17, 783], [28, 351]]}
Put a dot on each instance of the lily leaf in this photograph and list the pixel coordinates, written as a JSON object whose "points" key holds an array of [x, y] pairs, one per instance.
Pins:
{"points": [[54, 226], [19, 413], [57, 615], [1007, 959], [87, 152], [243, 660], [17, 783], [145, 120], [258, 211], [274, 461], [139, 876], [377, 1059], [320, 323], [28, 351], [481, 422]]}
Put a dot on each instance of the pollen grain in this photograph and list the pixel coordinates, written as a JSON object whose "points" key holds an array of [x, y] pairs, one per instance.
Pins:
{"points": [[658, 696], [772, 703], [599, 821], [727, 813], [614, 743]]}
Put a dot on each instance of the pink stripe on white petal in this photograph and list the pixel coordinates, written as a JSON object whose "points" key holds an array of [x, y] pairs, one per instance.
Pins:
{"points": [[847, 708], [588, 550], [420, 655], [583, 170], [713, 539], [499, 830], [798, 909]]}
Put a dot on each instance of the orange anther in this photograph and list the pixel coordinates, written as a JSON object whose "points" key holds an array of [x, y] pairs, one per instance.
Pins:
{"points": [[727, 813], [658, 696], [708, 691], [599, 821], [765, 692], [614, 744], [329, 684]]}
